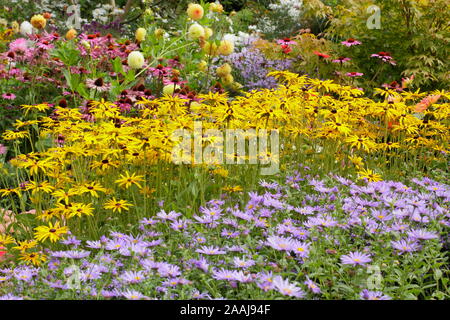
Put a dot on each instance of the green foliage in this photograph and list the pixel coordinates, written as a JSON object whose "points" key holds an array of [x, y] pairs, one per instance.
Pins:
{"points": [[416, 33]]}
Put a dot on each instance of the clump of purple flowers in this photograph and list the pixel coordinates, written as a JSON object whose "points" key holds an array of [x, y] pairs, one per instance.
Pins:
{"points": [[251, 68]]}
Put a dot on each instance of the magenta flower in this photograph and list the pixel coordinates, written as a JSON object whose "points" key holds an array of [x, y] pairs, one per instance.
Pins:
{"points": [[354, 74], [350, 42], [384, 56], [341, 60], [3, 149], [355, 258], [19, 45], [286, 41], [9, 96]]}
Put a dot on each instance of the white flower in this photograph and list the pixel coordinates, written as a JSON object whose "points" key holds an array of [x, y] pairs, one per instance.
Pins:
{"points": [[26, 28]]}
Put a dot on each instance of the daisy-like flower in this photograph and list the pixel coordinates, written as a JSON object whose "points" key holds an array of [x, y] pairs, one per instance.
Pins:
{"points": [[127, 180], [373, 295], [286, 288], [117, 205], [98, 84], [52, 232], [355, 258], [286, 41], [354, 74], [242, 263], [341, 60], [224, 274], [133, 295], [312, 286], [9, 96], [280, 243], [422, 234], [351, 42], [132, 276], [211, 250], [384, 56], [405, 246]]}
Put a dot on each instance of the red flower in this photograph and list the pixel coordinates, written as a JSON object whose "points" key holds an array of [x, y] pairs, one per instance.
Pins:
{"points": [[321, 55], [286, 48]]}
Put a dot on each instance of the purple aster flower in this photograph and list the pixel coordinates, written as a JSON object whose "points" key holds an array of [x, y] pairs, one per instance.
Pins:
{"points": [[133, 295], [224, 274], [132, 276], [242, 263], [200, 295], [23, 275], [10, 296], [355, 258], [94, 244], [422, 234], [280, 243], [312, 286], [201, 263], [373, 295], [76, 254], [172, 215], [405, 246], [211, 250], [148, 221], [71, 241], [301, 249], [287, 289], [169, 270]]}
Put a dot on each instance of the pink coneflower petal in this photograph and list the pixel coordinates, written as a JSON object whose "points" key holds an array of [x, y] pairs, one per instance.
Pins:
{"points": [[354, 74], [9, 96], [351, 42]]}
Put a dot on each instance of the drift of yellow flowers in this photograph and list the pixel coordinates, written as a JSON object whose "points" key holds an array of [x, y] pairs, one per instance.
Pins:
{"points": [[118, 154]]}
